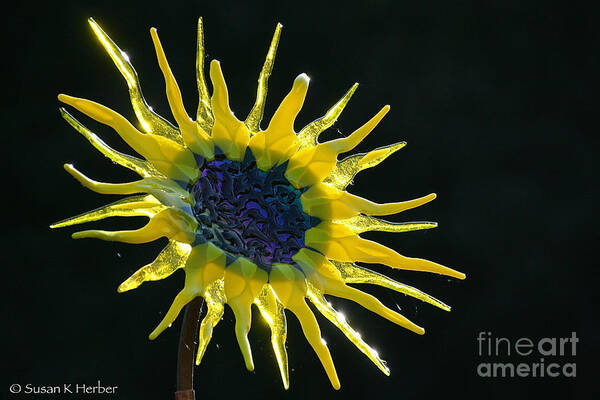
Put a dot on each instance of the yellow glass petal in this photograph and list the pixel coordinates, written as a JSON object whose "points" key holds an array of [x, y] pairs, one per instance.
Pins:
{"points": [[275, 145], [329, 203], [286, 113], [273, 313], [338, 319], [243, 318], [167, 156], [364, 223], [104, 188], [141, 167], [170, 223], [352, 273], [170, 259], [214, 297], [184, 297], [372, 304], [339, 243], [144, 205], [349, 142], [149, 120], [204, 117], [243, 284], [312, 332], [203, 266], [193, 136], [308, 136], [344, 171], [311, 165], [289, 285], [256, 114], [228, 132], [167, 192]]}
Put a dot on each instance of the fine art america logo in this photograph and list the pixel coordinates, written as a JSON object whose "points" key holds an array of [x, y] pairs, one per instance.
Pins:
{"points": [[548, 357]]}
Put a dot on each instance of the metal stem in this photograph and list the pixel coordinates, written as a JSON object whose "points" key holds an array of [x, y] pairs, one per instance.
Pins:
{"points": [[185, 359]]}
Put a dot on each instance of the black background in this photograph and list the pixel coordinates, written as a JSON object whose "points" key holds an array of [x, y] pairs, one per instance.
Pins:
{"points": [[495, 102]]}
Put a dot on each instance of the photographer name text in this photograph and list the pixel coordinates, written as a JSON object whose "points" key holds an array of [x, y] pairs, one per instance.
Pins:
{"points": [[64, 388]]}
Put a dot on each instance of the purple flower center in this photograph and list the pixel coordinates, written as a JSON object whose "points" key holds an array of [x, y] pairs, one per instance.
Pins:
{"points": [[249, 213]]}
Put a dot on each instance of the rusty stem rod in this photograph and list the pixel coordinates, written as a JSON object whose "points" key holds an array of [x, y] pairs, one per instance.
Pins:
{"points": [[187, 345]]}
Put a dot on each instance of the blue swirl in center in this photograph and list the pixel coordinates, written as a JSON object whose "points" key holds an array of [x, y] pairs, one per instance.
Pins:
{"points": [[249, 213]]}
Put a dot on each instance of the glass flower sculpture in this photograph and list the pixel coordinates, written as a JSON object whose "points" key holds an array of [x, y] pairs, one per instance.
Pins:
{"points": [[253, 217]]}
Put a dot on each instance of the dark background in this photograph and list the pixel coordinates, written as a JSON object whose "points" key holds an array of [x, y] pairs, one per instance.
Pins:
{"points": [[495, 102]]}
